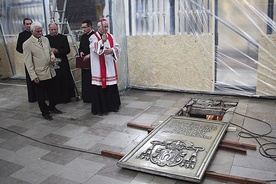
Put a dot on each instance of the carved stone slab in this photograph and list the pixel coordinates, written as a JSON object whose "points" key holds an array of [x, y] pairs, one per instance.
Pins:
{"points": [[180, 148]]}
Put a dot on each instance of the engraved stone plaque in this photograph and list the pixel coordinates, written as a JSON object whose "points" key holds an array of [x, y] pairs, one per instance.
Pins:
{"points": [[180, 148]]}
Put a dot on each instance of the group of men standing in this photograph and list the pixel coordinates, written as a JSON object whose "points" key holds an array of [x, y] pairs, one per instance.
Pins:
{"points": [[44, 82]]}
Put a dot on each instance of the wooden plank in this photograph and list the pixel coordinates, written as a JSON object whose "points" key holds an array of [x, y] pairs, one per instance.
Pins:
{"points": [[237, 179], [145, 127], [240, 144], [232, 148], [112, 154], [209, 174]]}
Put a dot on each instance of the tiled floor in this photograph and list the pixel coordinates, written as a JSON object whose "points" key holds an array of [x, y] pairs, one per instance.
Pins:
{"points": [[67, 149]]}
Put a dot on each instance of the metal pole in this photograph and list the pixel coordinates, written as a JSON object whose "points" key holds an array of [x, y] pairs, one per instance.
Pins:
{"points": [[110, 16], [46, 9], [216, 40], [172, 17], [270, 15]]}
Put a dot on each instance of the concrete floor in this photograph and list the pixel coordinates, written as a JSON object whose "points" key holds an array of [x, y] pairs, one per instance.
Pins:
{"points": [[31, 153]]}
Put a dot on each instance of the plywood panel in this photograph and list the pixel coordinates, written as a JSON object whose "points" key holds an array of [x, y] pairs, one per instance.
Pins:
{"points": [[4, 62], [266, 76], [171, 61]]}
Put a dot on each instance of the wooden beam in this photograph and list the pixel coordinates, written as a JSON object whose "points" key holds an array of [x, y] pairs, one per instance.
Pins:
{"points": [[237, 179], [240, 144], [232, 148], [111, 154], [144, 127]]}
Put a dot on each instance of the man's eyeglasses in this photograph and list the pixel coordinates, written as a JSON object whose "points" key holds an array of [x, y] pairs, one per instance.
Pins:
{"points": [[84, 27]]}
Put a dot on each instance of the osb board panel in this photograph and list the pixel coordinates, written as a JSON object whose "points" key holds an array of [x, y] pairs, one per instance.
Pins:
{"points": [[171, 61], [266, 74], [180, 148], [4, 62], [17, 59]]}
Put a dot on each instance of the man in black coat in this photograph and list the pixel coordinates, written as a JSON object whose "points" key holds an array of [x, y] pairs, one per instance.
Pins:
{"points": [[23, 36], [84, 52], [60, 47]]}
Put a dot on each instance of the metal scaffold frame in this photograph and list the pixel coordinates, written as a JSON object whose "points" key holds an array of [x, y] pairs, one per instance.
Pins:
{"points": [[58, 16]]}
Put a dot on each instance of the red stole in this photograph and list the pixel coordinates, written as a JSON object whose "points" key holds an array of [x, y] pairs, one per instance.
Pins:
{"points": [[102, 60]]}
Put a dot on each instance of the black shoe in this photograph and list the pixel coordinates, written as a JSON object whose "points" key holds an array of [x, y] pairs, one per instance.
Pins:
{"points": [[56, 111], [48, 117], [105, 113]]}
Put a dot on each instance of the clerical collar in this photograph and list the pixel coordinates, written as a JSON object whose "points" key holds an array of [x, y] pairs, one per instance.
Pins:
{"points": [[90, 32]]}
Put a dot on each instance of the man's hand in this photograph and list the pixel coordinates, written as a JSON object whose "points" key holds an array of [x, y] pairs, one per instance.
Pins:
{"points": [[36, 80], [54, 50], [108, 51], [53, 58], [87, 57]]}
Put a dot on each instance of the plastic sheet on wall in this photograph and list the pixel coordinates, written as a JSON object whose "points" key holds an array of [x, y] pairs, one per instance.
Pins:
{"points": [[245, 59], [244, 41], [242, 51]]}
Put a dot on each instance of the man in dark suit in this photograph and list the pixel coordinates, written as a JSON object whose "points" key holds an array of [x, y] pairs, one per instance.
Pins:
{"points": [[39, 60], [23, 36], [84, 52], [60, 47]]}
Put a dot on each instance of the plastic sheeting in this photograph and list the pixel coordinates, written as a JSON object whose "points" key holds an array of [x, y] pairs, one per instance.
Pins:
{"points": [[213, 46], [243, 56], [246, 47]]}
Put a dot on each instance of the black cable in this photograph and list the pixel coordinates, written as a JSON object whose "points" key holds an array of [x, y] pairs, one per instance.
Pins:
{"points": [[53, 145], [260, 135], [264, 148]]}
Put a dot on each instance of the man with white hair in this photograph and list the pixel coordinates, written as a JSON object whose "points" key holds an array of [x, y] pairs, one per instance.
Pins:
{"points": [[39, 60]]}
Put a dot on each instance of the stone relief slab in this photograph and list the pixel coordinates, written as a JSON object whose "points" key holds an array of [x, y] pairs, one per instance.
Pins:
{"points": [[180, 148]]}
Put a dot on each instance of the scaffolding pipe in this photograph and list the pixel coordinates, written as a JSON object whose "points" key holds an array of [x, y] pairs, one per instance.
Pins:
{"points": [[270, 15]]}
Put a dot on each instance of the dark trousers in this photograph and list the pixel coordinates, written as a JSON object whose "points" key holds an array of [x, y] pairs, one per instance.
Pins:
{"points": [[30, 87], [86, 89], [43, 88], [105, 100]]}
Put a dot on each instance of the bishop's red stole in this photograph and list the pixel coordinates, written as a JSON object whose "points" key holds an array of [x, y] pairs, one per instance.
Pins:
{"points": [[102, 60]]}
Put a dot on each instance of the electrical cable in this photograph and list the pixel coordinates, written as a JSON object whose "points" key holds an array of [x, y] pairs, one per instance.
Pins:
{"points": [[53, 145], [265, 149]]}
